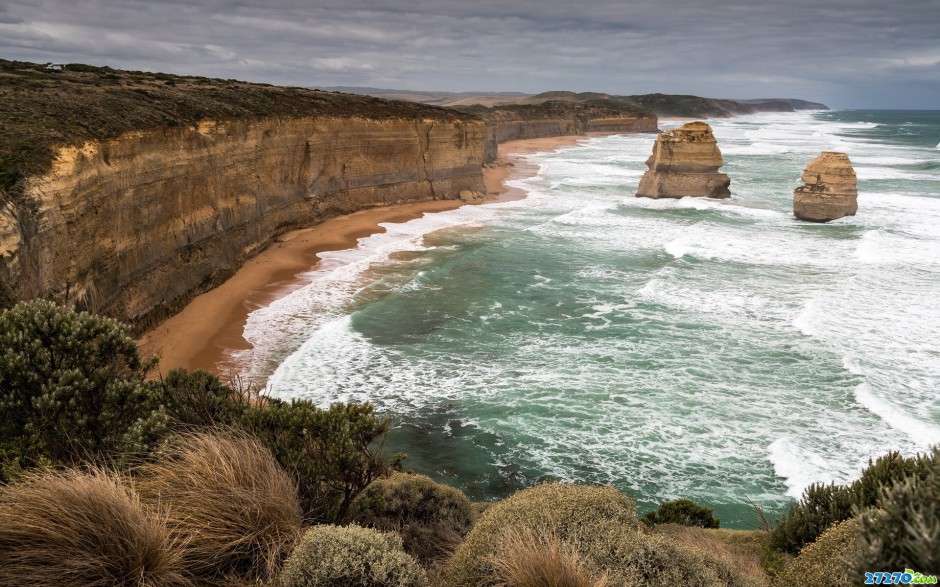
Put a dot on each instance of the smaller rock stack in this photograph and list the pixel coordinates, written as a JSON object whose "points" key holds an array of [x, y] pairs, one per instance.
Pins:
{"points": [[685, 162], [830, 191]]}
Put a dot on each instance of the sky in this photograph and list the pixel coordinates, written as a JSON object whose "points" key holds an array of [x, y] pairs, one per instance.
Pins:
{"points": [[846, 53]]}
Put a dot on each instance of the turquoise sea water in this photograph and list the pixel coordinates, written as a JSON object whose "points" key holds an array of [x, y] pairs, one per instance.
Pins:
{"points": [[714, 350]]}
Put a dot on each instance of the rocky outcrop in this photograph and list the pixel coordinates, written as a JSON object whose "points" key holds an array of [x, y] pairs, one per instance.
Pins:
{"points": [[134, 226], [830, 191], [685, 162]]}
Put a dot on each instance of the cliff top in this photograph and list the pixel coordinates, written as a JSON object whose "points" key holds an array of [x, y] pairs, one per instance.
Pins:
{"points": [[596, 108], [42, 106]]}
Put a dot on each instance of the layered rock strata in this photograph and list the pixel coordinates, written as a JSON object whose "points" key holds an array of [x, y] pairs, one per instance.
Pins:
{"points": [[505, 126], [685, 162], [830, 191], [134, 226]]}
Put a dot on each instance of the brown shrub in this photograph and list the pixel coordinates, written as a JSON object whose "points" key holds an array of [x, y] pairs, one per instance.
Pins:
{"points": [[542, 560], [600, 522], [742, 549], [828, 562], [228, 501], [432, 519], [82, 529]]}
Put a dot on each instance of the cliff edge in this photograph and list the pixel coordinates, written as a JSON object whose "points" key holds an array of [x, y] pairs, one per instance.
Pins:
{"points": [[127, 193]]}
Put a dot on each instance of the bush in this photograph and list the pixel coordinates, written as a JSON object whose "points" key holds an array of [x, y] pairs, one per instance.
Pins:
{"points": [[600, 523], [228, 502], [82, 529], [71, 387], [432, 519], [824, 505], [334, 454], [682, 511], [744, 550], [827, 562], [330, 556], [821, 507], [200, 399], [905, 534], [542, 560]]}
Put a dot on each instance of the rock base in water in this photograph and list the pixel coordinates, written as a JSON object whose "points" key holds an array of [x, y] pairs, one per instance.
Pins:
{"points": [[685, 162], [830, 191]]}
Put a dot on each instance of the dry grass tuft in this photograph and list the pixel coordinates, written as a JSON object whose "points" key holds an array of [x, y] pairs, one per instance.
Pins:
{"points": [[740, 548], [229, 502], [542, 560], [82, 529]]}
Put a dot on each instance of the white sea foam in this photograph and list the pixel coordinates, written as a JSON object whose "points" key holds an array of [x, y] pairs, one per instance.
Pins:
{"points": [[659, 345], [923, 432]]}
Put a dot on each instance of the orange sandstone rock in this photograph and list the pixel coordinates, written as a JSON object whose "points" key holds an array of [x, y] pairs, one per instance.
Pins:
{"points": [[830, 191], [685, 162]]}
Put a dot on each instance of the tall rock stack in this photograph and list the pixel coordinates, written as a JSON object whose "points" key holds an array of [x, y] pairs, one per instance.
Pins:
{"points": [[830, 191], [685, 162]]}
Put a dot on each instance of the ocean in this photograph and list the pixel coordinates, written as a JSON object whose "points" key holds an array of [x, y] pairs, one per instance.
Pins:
{"points": [[716, 350]]}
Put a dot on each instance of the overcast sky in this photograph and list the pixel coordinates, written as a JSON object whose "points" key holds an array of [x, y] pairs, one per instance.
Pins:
{"points": [[847, 53]]}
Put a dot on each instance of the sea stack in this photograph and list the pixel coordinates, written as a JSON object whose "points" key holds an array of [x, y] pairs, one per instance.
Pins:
{"points": [[830, 191], [685, 162]]}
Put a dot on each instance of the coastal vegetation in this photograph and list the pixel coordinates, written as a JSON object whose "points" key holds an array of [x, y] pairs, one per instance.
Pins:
{"points": [[114, 477]]}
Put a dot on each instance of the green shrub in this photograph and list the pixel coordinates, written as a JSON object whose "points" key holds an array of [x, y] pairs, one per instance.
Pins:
{"points": [[431, 518], [682, 511], [228, 502], [821, 507], [200, 399], [884, 472], [824, 505], [82, 529], [600, 523], [829, 561], [905, 533], [71, 387], [333, 556], [334, 454]]}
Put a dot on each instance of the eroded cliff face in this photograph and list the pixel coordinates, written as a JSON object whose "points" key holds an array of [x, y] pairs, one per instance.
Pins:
{"points": [[133, 227], [502, 128]]}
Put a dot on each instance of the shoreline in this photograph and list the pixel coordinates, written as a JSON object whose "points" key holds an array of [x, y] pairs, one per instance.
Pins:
{"points": [[205, 332]]}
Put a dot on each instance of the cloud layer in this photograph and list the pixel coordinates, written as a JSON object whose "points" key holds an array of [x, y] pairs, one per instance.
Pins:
{"points": [[851, 53]]}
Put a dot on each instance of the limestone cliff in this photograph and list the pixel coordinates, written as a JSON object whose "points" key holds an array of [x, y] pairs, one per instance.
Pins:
{"points": [[559, 118], [134, 224], [137, 201], [685, 162], [830, 191]]}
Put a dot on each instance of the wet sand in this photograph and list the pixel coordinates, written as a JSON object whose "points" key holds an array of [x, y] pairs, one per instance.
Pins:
{"points": [[202, 335]]}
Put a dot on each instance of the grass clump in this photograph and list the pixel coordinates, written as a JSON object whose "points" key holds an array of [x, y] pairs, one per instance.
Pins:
{"points": [[432, 519], [334, 556], [600, 523], [684, 512], [542, 560], [228, 502], [82, 529], [828, 562]]}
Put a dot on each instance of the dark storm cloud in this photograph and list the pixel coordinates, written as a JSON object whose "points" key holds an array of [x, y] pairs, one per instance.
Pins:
{"points": [[849, 52]]}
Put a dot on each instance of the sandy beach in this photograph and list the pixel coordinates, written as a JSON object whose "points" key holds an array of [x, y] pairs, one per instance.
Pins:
{"points": [[208, 328]]}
